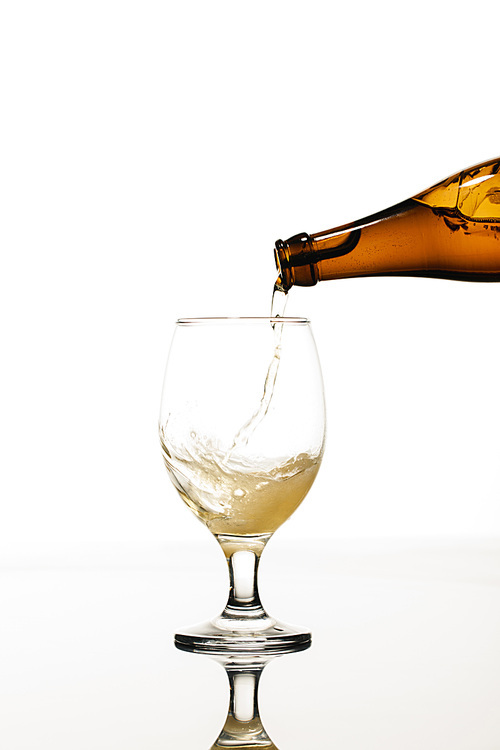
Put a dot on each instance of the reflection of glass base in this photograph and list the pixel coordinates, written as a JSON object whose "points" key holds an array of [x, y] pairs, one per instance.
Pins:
{"points": [[223, 636]]}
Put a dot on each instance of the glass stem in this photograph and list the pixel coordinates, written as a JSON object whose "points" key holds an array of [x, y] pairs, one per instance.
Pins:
{"points": [[243, 557], [243, 694]]}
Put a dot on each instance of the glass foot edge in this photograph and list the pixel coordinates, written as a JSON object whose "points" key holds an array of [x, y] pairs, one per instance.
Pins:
{"points": [[206, 639]]}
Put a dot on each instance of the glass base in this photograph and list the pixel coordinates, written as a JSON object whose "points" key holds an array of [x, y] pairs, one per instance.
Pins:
{"points": [[224, 636]]}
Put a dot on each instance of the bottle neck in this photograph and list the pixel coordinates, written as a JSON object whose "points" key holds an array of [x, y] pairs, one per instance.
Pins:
{"points": [[297, 258], [294, 262]]}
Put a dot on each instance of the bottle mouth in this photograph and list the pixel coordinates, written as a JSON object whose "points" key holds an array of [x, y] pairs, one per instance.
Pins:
{"points": [[282, 260], [296, 261]]}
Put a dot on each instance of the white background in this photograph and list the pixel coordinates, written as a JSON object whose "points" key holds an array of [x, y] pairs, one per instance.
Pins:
{"points": [[151, 154]]}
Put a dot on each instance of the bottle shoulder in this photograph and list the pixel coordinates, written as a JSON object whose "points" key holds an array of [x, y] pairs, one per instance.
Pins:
{"points": [[473, 193]]}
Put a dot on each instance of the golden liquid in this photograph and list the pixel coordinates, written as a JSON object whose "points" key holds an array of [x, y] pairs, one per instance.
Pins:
{"points": [[232, 497], [251, 733], [278, 304], [450, 231]]}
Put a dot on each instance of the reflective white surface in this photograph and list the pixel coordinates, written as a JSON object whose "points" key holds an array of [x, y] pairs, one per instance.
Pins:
{"points": [[405, 650]]}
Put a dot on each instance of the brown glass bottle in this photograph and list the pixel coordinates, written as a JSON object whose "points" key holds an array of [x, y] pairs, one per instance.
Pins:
{"points": [[450, 231]]}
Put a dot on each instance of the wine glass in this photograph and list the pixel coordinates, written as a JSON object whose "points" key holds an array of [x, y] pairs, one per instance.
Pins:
{"points": [[242, 427]]}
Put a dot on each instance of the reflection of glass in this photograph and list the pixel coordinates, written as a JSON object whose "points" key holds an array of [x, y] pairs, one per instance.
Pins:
{"points": [[242, 460], [243, 727]]}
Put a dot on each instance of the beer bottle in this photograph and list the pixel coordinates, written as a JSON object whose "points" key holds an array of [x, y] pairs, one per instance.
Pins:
{"points": [[450, 231]]}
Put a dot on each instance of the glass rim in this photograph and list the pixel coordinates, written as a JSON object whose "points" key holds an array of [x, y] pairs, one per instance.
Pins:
{"points": [[233, 320]]}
